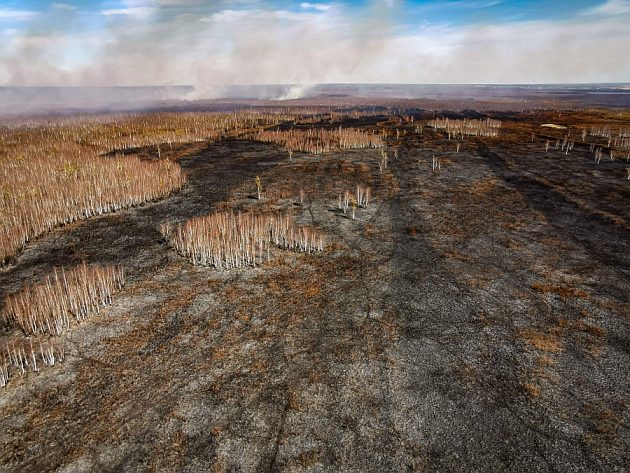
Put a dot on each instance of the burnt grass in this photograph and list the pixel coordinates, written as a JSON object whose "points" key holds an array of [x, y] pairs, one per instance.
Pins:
{"points": [[471, 319]]}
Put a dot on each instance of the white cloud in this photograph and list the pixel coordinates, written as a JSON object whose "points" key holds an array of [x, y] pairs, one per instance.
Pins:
{"points": [[177, 3], [136, 12], [467, 4], [162, 3], [231, 16], [63, 6], [315, 6], [610, 8], [16, 15]]}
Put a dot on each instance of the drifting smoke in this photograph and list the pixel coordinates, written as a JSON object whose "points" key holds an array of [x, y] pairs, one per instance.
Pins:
{"points": [[256, 91], [148, 44], [187, 42], [296, 92]]}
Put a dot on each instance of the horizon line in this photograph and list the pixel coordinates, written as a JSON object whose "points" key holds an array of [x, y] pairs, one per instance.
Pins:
{"points": [[315, 84]]}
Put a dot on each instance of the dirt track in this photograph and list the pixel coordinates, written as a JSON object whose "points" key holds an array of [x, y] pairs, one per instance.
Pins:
{"points": [[470, 320]]}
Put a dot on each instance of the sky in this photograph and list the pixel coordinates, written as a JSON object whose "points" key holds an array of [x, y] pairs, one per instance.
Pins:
{"points": [[211, 43]]}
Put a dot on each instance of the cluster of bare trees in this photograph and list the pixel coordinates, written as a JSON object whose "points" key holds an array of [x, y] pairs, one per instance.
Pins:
{"points": [[348, 201], [51, 172], [436, 164], [50, 306], [332, 115], [45, 310], [43, 191], [564, 145], [617, 142], [319, 140], [363, 196], [225, 240], [466, 127], [169, 128], [103, 133], [382, 163], [618, 138], [22, 354]]}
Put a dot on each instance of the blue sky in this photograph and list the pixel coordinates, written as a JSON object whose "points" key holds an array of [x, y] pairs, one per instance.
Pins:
{"points": [[209, 43], [410, 12]]}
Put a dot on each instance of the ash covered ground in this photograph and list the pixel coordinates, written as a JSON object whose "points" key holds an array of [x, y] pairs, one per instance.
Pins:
{"points": [[474, 318]]}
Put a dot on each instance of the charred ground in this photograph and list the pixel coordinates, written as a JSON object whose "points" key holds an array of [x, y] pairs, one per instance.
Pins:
{"points": [[471, 319]]}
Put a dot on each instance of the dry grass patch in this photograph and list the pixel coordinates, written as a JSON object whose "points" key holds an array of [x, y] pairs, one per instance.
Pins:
{"points": [[477, 282], [562, 291], [312, 290], [513, 226], [590, 329], [545, 360], [482, 187], [457, 255], [543, 341], [533, 389]]}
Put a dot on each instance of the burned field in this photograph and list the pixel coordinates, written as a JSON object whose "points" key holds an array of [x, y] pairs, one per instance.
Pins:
{"points": [[472, 314]]}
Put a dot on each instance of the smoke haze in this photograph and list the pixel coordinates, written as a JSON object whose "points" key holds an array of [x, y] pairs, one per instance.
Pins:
{"points": [[188, 42]]}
